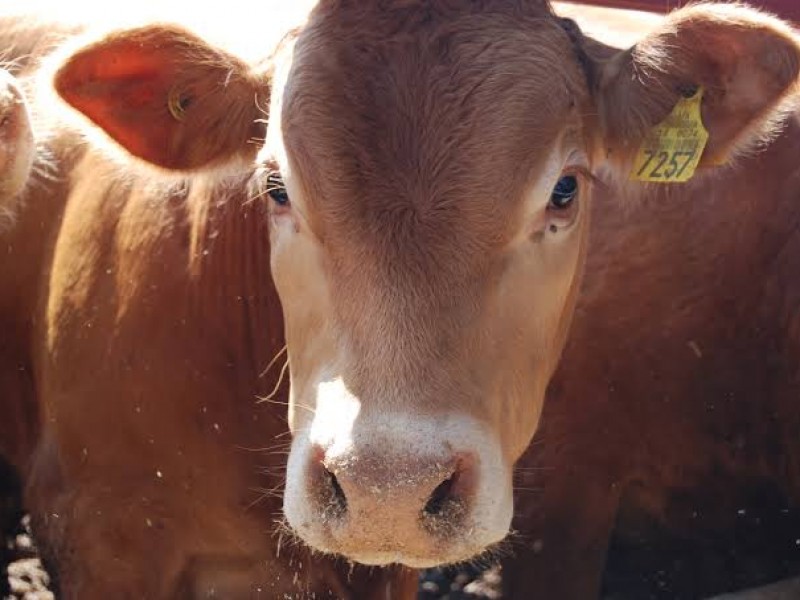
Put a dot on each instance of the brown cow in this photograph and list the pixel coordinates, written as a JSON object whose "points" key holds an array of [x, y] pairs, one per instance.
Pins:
{"points": [[455, 147], [137, 319], [426, 177], [16, 146], [674, 407]]}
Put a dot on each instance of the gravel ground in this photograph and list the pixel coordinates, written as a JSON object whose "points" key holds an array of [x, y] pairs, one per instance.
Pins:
{"points": [[27, 579], [463, 584]]}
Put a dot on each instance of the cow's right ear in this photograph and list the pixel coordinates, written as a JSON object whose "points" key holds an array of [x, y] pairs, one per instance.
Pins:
{"points": [[167, 96], [746, 62]]}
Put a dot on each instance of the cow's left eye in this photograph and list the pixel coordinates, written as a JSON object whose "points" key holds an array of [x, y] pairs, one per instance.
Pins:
{"points": [[564, 193], [277, 190]]}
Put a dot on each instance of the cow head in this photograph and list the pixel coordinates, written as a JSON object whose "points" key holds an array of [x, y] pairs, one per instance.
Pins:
{"points": [[16, 144], [430, 166]]}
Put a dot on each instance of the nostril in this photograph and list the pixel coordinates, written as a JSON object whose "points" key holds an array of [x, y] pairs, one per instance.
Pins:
{"points": [[324, 488], [449, 502], [442, 496], [338, 498]]}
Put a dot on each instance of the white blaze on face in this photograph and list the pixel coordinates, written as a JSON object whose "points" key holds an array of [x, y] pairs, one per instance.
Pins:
{"points": [[335, 415]]}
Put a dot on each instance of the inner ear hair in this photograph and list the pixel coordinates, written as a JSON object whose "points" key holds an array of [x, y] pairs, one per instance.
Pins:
{"points": [[746, 61]]}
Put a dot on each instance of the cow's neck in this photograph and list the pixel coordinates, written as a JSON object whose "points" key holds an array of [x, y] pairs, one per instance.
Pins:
{"points": [[685, 260], [689, 300]]}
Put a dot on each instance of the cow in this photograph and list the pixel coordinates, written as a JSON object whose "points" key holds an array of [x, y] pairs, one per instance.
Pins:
{"points": [[149, 464], [17, 149], [420, 179], [442, 144]]}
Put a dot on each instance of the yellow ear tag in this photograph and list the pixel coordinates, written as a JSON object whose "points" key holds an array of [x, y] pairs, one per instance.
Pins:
{"points": [[672, 150]]}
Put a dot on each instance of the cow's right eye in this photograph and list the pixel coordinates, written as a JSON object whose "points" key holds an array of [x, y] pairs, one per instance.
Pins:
{"points": [[564, 193], [277, 190]]}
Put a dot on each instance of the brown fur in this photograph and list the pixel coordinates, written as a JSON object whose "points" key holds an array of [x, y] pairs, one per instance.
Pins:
{"points": [[17, 149], [680, 377], [680, 374], [386, 183], [401, 188], [138, 316], [747, 64], [142, 312], [117, 66]]}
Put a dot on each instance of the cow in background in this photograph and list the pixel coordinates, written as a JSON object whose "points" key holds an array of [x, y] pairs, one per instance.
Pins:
{"points": [[160, 309], [17, 148]]}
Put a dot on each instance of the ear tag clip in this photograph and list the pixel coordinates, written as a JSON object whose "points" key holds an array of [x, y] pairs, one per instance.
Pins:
{"points": [[672, 150], [177, 103]]}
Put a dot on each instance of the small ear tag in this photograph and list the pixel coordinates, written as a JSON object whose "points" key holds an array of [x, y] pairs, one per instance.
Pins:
{"points": [[672, 150]]}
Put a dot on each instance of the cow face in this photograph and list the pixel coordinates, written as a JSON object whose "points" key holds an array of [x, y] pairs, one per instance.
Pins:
{"points": [[430, 191], [432, 167], [429, 168]]}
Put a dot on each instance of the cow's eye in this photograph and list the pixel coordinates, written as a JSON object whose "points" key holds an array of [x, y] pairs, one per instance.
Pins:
{"points": [[277, 190], [564, 193]]}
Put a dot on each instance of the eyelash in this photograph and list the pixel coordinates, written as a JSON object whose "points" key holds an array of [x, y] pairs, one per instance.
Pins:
{"points": [[276, 189]]}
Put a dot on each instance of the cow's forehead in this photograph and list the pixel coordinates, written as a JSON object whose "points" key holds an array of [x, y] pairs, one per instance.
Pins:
{"points": [[426, 119]]}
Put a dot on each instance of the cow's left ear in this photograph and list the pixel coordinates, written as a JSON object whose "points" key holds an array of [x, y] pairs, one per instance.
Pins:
{"points": [[746, 62], [166, 96]]}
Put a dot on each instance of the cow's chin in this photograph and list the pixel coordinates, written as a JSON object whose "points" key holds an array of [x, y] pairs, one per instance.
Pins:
{"points": [[462, 547], [383, 559]]}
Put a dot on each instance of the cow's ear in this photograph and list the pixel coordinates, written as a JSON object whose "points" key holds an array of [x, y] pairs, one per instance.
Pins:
{"points": [[746, 62], [166, 96]]}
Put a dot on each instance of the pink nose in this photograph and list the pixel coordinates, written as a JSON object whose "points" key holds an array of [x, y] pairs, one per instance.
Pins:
{"points": [[415, 498]]}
